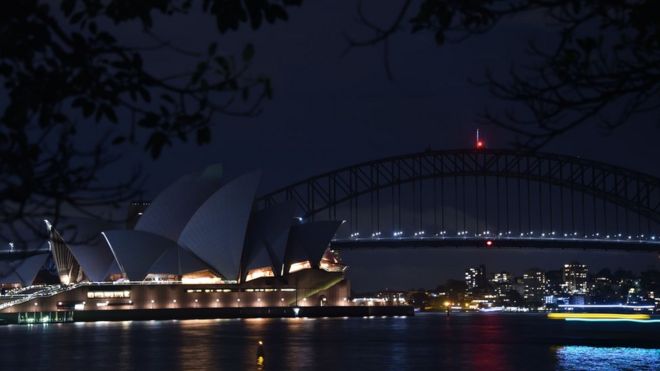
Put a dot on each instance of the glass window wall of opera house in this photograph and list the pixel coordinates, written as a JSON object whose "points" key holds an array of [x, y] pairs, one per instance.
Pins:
{"points": [[201, 243]]}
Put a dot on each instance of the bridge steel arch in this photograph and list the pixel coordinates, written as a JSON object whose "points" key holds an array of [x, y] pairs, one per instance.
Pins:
{"points": [[632, 190]]}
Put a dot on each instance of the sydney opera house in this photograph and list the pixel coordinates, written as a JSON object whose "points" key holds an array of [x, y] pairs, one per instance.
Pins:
{"points": [[200, 244]]}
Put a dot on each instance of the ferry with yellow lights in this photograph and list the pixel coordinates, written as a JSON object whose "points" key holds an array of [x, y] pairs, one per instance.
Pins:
{"points": [[605, 313]]}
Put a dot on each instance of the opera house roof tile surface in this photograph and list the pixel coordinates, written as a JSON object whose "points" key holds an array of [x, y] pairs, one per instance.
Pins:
{"points": [[216, 232], [139, 253], [21, 271], [171, 210], [267, 237]]}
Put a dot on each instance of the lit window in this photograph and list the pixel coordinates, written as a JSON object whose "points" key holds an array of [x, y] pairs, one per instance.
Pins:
{"points": [[108, 294]]}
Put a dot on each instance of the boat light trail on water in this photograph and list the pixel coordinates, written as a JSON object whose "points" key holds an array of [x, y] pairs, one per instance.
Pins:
{"points": [[626, 306], [639, 316], [612, 320]]}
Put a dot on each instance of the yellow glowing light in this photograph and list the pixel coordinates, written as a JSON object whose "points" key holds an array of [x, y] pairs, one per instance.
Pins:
{"points": [[258, 273], [447, 303], [200, 280], [598, 315], [295, 267]]}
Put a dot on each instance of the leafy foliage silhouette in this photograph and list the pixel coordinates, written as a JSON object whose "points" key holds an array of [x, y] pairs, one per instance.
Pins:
{"points": [[65, 71]]}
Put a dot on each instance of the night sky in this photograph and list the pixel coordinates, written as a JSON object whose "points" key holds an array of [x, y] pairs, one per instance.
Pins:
{"points": [[331, 111]]}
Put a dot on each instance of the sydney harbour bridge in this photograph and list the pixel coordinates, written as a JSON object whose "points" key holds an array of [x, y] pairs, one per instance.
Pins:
{"points": [[490, 198]]}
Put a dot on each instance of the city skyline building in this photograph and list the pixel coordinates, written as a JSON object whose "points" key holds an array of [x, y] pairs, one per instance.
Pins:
{"points": [[502, 283], [574, 276], [535, 285], [475, 279], [135, 210]]}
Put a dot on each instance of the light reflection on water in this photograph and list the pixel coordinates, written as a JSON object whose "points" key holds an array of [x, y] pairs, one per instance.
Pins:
{"points": [[473, 342], [607, 358]]}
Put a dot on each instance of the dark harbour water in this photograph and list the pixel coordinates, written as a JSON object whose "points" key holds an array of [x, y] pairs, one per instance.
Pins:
{"points": [[427, 341]]}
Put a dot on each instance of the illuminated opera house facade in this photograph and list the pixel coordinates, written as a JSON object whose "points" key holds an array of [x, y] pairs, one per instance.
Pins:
{"points": [[201, 243]]}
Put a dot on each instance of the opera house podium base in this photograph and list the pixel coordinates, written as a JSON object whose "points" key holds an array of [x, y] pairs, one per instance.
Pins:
{"points": [[204, 313], [306, 293]]}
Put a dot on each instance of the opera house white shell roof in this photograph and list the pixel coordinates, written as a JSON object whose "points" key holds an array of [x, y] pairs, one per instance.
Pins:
{"points": [[200, 224]]}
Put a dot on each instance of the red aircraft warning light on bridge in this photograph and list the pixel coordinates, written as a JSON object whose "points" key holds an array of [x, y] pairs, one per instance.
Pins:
{"points": [[479, 143]]}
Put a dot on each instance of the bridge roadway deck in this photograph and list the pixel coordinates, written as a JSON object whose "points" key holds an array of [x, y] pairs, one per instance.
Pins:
{"points": [[496, 242]]}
